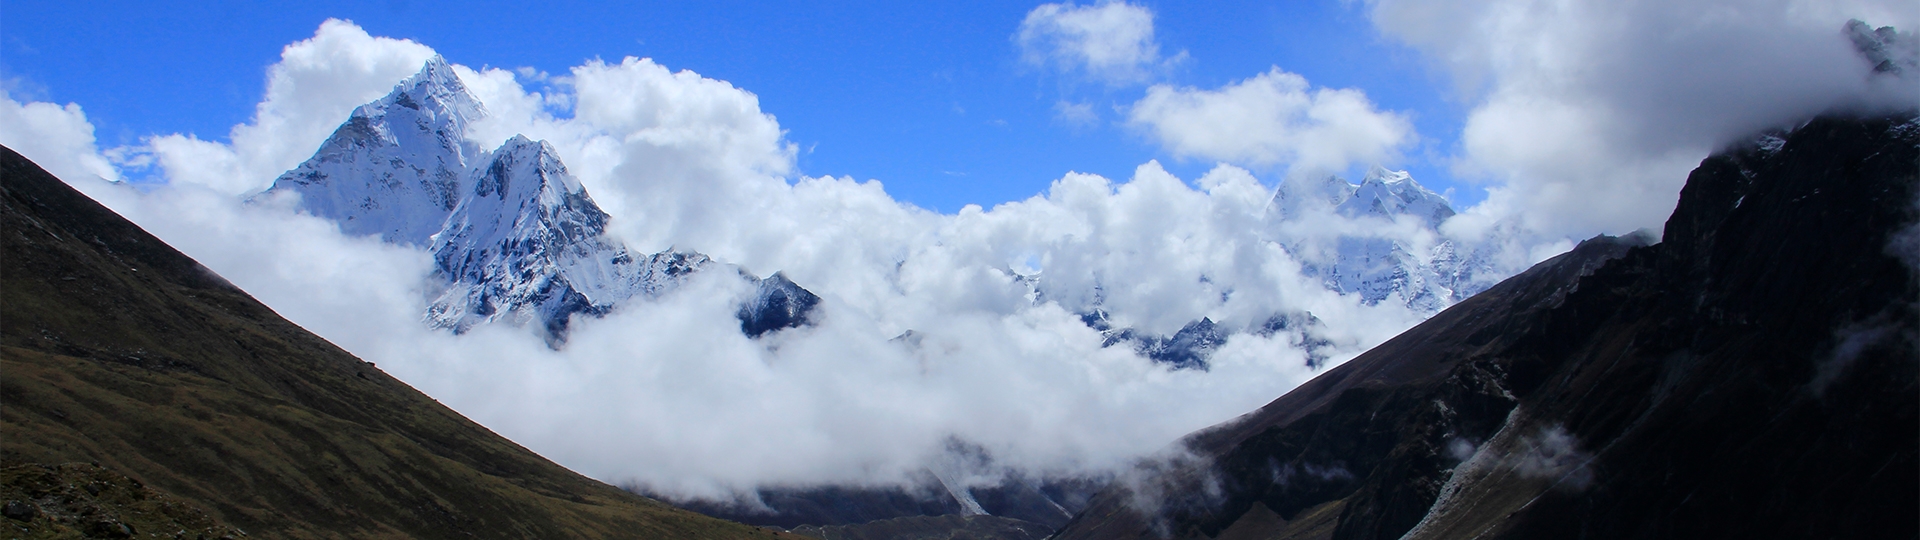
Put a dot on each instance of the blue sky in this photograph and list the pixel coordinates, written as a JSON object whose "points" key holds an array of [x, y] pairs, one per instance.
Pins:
{"points": [[932, 100]]}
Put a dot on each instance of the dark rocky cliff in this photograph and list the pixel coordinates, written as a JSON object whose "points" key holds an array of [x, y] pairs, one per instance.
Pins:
{"points": [[1753, 375]]}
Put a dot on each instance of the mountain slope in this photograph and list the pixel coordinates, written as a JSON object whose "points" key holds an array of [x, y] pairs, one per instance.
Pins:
{"points": [[118, 350], [1752, 376]]}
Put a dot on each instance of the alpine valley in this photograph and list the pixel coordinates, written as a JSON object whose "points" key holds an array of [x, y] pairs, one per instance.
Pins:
{"points": [[1750, 373], [1752, 370], [517, 240]]}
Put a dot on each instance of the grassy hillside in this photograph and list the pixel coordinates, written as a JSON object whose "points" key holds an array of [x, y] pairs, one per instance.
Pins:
{"points": [[119, 351]]}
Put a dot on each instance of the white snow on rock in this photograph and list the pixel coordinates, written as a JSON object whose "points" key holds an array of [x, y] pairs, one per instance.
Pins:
{"points": [[397, 167], [514, 236], [1382, 267]]}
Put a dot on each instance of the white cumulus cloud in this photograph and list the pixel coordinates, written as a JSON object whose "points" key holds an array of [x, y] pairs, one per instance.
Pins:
{"points": [[1111, 42], [1274, 118], [313, 87], [57, 137], [1586, 115]]}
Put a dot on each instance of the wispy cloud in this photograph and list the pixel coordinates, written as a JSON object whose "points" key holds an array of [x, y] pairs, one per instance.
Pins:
{"points": [[1109, 42], [1075, 114]]}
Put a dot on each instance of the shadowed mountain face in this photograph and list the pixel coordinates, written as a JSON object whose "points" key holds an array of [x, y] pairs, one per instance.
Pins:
{"points": [[119, 351], [1754, 375]]}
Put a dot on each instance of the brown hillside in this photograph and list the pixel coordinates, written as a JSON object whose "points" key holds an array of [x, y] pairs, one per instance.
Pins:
{"points": [[116, 349]]}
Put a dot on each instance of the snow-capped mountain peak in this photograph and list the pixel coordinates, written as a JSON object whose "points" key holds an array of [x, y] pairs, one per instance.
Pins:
{"points": [[526, 244], [435, 91], [398, 166], [1386, 193], [524, 183], [1377, 267], [514, 235]]}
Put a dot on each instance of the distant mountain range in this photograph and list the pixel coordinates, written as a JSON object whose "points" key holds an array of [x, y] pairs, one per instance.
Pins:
{"points": [[513, 234], [517, 238]]}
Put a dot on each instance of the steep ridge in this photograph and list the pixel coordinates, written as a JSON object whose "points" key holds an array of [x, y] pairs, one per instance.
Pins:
{"points": [[398, 166], [526, 245], [1754, 375], [118, 350]]}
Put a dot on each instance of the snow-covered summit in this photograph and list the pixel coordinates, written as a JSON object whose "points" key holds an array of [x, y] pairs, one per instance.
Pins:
{"points": [[1425, 276], [396, 168], [528, 245], [1386, 193], [514, 235], [1382, 193], [523, 193], [1294, 197]]}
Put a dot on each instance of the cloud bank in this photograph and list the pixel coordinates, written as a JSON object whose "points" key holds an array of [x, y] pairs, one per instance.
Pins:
{"points": [[1586, 115], [668, 394]]}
